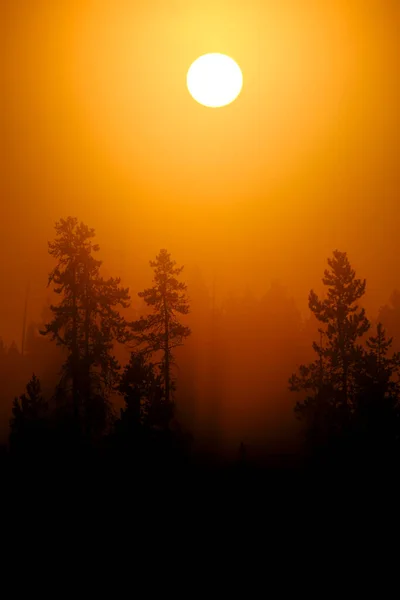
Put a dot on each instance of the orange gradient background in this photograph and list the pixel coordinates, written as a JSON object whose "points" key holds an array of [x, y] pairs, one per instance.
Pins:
{"points": [[98, 123]]}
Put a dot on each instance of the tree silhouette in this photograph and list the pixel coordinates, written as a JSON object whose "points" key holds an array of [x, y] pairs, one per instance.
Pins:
{"points": [[376, 415], [144, 431], [162, 331], [86, 322], [28, 421], [380, 367], [331, 380], [144, 395], [389, 316]]}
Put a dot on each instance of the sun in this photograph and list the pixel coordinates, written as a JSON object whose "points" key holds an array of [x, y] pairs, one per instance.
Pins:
{"points": [[214, 80]]}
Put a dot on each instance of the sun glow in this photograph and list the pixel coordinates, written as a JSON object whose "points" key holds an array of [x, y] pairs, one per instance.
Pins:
{"points": [[214, 80]]}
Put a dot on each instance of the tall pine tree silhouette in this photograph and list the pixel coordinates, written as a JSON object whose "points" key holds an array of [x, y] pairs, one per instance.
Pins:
{"points": [[331, 380], [86, 322], [162, 331]]}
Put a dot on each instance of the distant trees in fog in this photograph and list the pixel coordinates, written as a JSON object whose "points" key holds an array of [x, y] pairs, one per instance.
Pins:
{"points": [[353, 388], [348, 392]]}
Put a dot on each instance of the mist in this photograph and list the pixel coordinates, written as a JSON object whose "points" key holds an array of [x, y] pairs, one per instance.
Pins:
{"points": [[251, 199]]}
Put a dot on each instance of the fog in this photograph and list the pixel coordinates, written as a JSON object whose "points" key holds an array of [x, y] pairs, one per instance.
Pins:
{"points": [[252, 198]]}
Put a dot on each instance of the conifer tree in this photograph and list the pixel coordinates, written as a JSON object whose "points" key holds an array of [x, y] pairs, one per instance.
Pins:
{"points": [[378, 365], [86, 322], [29, 412], [162, 331], [330, 380], [377, 413], [143, 392]]}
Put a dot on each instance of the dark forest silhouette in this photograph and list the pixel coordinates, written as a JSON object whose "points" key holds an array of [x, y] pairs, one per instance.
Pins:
{"points": [[351, 410], [116, 387]]}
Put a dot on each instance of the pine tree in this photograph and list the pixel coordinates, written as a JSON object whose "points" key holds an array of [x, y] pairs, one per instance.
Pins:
{"points": [[162, 331], [29, 412], [143, 392], [379, 366], [86, 322], [331, 380], [389, 315], [377, 409]]}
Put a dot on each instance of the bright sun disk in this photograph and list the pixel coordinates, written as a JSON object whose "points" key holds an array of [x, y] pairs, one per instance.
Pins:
{"points": [[214, 80]]}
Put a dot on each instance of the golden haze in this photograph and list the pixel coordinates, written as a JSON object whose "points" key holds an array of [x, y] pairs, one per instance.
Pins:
{"points": [[98, 123]]}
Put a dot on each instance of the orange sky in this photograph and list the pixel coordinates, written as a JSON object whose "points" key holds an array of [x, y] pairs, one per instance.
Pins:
{"points": [[98, 124]]}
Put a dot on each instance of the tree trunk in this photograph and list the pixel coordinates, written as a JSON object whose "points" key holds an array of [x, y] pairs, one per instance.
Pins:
{"points": [[342, 349], [166, 353], [75, 361], [86, 365]]}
